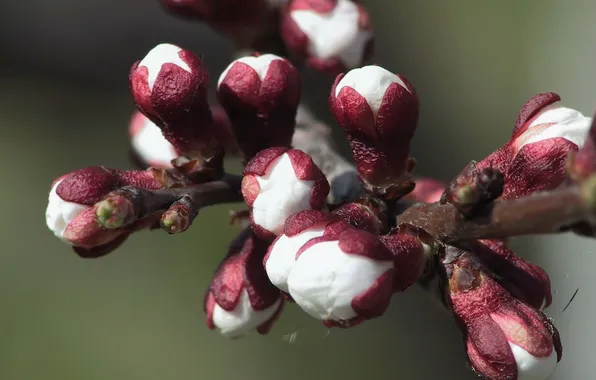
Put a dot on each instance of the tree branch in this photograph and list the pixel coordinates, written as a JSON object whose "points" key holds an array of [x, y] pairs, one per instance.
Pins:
{"points": [[542, 213], [179, 204]]}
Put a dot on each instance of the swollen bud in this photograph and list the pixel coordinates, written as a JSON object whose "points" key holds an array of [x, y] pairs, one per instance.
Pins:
{"points": [[77, 215], [378, 111], [169, 86], [505, 338], [260, 95], [241, 298], [343, 279], [331, 35], [280, 182], [149, 144], [536, 157]]}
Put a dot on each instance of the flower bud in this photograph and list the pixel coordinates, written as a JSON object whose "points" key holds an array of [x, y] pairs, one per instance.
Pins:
{"points": [[149, 144], [505, 338], [535, 159], [241, 298], [331, 35], [169, 86], [525, 280], [278, 183], [260, 95], [378, 111], [298, 230], [366, 214], [583, 164], [343, 279], [243, 21], [427, 190], [411, 256], [71, 214]]}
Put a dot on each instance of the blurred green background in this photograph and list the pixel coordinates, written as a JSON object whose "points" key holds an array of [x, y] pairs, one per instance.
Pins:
{"points": [[137, 314]]}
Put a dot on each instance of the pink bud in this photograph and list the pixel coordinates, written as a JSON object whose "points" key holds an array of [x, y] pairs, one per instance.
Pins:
{"points": [[169, 86], [299, 229], [149, 144], [505, 339], [70, 214], [241, 20], [241, 298], [260, 95], [378, 111], [428, 190], [278, 183], [535, 159], [331, 35], [583, 164], [343, 279], [410, 257], [525, 280]]}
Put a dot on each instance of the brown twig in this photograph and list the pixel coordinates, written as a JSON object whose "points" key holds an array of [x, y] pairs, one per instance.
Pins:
{"points": [[542, 213]]}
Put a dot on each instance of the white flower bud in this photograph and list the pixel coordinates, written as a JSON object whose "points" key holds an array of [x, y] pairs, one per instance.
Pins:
{"points": [[243, 319], [530, 367], [160, 55], [60, 213]]}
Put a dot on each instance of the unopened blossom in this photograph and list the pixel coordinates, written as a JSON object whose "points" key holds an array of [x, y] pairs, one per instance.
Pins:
{"points": [[279, 182], [378, 111], [260, 95], [169, 86], [331, 35], [241, 298], [298, 230], [527, 281], [535, 159], [71, 213], [505, 339], [149, 144], [410, 256], [343, 279], [243, 21]]}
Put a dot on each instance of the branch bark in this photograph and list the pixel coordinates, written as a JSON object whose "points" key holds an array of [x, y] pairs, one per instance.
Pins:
{"points": [[542, 213]]}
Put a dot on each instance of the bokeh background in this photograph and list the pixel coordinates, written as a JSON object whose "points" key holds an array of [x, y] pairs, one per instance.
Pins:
{"points": [[137, 314]]}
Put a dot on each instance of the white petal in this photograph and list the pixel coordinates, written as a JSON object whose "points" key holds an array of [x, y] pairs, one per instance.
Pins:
{"points": [[283, 255], [324, 280], [568, 123], [371, 82], [60, 213], [259, 64], [335, 34], [530, 367], [281, 195], [243, 319], [152, 146], [158, 56]]}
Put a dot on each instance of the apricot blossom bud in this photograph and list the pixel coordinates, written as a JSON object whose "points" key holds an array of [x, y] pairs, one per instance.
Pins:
{"points": [[343, 279], [527, 281], [72, 215], [411, 256], [260, 95], [241, 298], [279, 182], [149, 144], [378, 111], [331, 35], [244, 21], [298, 230], [169, 86], [505, 338], [535, 159]]}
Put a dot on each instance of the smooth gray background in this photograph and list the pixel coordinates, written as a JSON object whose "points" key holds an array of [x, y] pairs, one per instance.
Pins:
{"points": [[137, 314]]}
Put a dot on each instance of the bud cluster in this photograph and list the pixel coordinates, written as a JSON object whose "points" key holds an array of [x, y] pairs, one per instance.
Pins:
{"points": [[336, 240]]}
